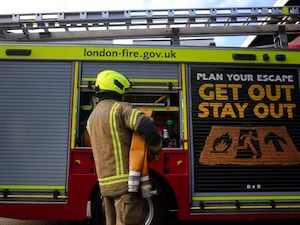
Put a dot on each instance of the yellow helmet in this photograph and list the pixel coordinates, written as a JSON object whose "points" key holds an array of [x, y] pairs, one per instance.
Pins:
{"points": [[110, 80]]}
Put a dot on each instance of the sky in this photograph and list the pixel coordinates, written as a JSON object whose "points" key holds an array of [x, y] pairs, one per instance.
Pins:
{"points": [[44, 6]]}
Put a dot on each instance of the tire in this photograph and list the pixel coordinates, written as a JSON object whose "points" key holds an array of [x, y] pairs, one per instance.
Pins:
{"points": [[158, 208]]}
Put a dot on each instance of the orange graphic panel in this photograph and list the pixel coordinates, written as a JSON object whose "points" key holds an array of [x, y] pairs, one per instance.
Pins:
{"points": [[249, 146]]}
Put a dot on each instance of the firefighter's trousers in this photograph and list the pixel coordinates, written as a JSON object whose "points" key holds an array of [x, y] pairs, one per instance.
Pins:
{"points": [[125, 209]]}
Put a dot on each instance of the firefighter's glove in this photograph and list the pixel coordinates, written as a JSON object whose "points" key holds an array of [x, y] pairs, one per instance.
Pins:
{"points": [[153, 152]]}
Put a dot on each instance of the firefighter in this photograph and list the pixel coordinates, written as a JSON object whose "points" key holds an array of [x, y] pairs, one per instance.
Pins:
{"points": [[110, 127]]}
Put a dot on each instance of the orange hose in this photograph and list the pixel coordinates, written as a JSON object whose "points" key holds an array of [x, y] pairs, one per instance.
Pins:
{"points": [[138, 149], [138, 167]]}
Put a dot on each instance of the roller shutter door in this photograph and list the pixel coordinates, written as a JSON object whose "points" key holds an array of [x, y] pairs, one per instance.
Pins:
{"points": [[35, 99]]}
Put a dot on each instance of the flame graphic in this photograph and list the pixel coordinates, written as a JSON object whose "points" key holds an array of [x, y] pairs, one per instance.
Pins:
{"points": [[222, 143]]}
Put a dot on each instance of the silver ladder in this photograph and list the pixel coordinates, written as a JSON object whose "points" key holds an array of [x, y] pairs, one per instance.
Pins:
{"points": [[170, 23]]}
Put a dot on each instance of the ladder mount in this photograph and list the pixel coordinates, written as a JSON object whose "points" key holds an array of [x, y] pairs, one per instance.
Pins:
{"points": [[171, 23]]}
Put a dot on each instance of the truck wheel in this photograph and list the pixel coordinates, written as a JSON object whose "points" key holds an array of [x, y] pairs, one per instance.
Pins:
{"points": [[157, 206]]}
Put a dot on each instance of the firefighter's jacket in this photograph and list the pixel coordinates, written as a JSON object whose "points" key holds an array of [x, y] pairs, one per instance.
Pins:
{"points": [[110, 127]]}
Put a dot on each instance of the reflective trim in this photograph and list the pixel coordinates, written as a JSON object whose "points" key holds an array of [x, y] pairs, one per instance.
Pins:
{"points": [[113, 179], [116, 139], [184, 106], [74, 103], [133, 118], [35, 187]]}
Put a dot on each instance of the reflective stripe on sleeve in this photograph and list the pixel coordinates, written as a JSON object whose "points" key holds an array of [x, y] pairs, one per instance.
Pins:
{"points": [[133, 118]]}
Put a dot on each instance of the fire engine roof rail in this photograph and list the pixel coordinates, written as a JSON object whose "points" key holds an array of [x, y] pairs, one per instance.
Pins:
{"points": [[148, 23]]}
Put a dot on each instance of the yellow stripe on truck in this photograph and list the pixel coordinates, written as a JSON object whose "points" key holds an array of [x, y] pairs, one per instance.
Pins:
{"points": [[158, 54]]}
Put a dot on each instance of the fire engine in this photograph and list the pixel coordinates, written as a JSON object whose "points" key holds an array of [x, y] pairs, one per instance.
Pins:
{"points": [[229, 117]]}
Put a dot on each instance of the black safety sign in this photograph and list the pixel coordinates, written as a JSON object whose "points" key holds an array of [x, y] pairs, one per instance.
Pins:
{"points": [[245, 116]]}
